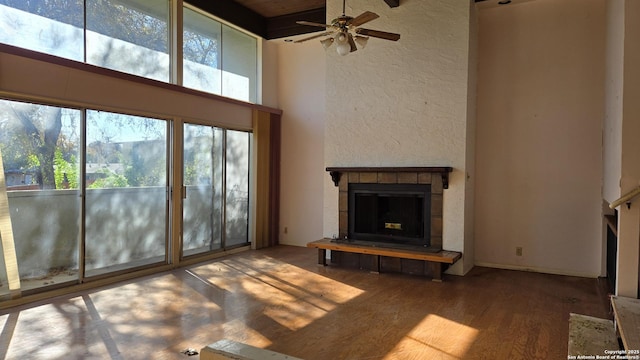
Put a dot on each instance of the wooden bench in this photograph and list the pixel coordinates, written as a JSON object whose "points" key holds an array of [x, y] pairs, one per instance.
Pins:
{"points": [[435, 260], [229, 349]]}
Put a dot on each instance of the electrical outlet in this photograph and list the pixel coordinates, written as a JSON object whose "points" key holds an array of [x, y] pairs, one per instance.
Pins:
{"points": [[518, 251]]}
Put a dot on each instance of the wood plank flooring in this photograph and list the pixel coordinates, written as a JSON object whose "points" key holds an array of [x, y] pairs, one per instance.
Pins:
{"points": [[282, 300]]}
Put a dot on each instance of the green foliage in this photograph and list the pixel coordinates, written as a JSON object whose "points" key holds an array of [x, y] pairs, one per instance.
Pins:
{"points": [[190, 174], [32, 160], [111, 180], [65, 171], [13, 154]]}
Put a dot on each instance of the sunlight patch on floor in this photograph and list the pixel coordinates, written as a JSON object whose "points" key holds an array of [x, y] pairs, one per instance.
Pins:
{"points": [[238, 330], [132, 312], [59, 324], [300, 282], [440, 338], [293, 297]]}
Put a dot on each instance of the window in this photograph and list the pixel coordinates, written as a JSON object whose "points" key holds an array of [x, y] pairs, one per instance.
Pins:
{"points": [[216, 180], [239, 65], [217, 58], [129, 36], [132, 36], [201, 52], [44, 27]]}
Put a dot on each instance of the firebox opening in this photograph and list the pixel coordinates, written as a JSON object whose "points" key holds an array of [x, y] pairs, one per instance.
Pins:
{"points": [[394, 214]]}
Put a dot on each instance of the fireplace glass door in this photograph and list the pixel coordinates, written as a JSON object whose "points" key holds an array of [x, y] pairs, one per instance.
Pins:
{"points": [[390, 213]]}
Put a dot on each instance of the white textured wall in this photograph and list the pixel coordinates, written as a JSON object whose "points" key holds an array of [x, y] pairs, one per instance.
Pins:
{"points": [[612, 128], [301, 94], [403, 103], [539, 138]]}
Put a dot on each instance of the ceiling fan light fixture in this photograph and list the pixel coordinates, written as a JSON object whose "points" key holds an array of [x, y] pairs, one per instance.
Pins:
{"points": [[361, 41], [326, 42], [343, 48]]}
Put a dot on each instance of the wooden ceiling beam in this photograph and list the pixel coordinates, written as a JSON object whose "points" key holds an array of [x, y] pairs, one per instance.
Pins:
{"points": [[285, 25], [392, 3]]}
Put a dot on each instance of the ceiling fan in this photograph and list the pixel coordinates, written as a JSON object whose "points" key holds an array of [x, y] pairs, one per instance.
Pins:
{"points": [[346, 33]]}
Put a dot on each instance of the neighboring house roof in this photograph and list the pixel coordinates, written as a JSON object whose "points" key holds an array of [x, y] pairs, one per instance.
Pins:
{"points": [[93, 168]]}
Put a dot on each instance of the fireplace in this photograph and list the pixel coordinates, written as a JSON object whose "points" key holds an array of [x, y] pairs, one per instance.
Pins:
{"points": [[401, 206], [390, 214]]}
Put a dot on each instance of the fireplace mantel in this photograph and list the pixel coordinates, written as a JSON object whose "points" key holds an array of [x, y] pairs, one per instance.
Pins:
{"points": [[336, 172]]}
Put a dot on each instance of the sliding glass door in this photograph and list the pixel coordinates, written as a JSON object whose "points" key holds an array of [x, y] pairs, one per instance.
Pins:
{"points": [[215, 204], [87, 193], [126, 206], [202, 198], [237, 188], [39, 146]]}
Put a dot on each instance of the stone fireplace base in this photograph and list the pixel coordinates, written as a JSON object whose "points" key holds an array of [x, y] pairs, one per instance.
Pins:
{"points": [[387, 264]]}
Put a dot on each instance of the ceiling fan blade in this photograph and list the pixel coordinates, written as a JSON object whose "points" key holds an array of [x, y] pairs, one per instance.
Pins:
{"points": [[314, 36], [378, 34], [352, 44], [310, 23], [363, 18]]}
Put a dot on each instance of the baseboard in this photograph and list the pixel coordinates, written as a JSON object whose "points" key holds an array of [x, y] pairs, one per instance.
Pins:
{"points": [[537, 269]]}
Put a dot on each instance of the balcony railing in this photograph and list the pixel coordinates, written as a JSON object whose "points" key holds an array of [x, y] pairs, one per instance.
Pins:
{"points": [[626, 198]]}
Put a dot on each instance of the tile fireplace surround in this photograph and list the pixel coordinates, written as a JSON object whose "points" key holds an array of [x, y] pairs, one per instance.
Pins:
{"points": [[437, 177]]}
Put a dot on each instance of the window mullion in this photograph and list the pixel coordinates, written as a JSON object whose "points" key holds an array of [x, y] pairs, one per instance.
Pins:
{"points": [[84, 31], [223, 230], [176, 35], [82, 163]]}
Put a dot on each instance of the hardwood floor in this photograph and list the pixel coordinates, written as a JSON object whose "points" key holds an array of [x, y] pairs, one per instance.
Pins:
{"points": [[280, 299]]}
